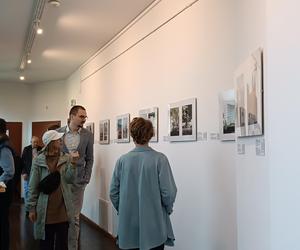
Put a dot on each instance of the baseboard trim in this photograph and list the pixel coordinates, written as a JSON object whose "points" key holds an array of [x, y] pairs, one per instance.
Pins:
{"points": [[96, 226]]}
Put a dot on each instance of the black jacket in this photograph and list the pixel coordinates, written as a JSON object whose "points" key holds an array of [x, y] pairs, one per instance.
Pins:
{"points": [[27, 159]]}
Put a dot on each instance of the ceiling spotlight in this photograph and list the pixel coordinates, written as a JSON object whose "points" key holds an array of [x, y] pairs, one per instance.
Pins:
{"points": [[39, 31], [22, 78], [29, 61], [55, 3], [33, 30]]}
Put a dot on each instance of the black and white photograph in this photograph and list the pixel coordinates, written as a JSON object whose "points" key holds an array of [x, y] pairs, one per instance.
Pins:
{"points": [[249, 96], [187, 120], [241, 105], [104, 132], [122, 123], [101, 132], [183, 120], [152, 115], [119, 129], [227, 115], [125, 128], [174, 121]]}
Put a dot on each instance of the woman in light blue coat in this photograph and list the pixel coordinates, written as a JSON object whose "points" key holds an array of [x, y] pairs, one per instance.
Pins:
{"points": [[143, 192]]}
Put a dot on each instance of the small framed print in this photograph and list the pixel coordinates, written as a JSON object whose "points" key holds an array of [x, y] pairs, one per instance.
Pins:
{"points": [[182, 120], [227, 115], [151, 114], [122, 122], [104, 132]]}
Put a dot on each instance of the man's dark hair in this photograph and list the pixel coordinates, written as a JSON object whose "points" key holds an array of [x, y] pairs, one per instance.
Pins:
{"points": [[2, 126], [74, 110]]}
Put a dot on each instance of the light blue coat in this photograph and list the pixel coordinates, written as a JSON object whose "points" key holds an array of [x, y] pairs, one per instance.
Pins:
{"points": [[39, 201], [143, 191], [7, 166]]}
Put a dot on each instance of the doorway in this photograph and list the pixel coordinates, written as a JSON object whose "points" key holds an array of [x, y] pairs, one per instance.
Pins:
{"points": [[39, 128]]}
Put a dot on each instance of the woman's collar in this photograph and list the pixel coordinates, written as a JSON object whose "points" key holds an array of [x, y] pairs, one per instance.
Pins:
{"points": [[142, 148]]}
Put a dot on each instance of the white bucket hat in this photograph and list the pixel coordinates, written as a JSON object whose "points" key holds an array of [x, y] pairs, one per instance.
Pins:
{"points": [[51, 135]]}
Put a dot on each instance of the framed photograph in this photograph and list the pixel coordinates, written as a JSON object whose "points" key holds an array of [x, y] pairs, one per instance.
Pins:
{"points": [[151, 114], [248, 82], [104, 132], [227, 115], [183, 120], [90, 126], [122, 122]]}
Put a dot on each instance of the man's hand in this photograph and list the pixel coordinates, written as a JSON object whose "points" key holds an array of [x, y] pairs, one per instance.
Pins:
{"points": [[25, 177], [74, 156], [2, 187], [32, 216]]}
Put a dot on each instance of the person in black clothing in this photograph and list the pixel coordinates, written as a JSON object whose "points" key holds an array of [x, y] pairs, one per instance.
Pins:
{"points": [[29, 152], [7, 171]]}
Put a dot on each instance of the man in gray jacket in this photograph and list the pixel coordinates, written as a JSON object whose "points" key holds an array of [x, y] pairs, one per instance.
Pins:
{"points": [[77, 138]]}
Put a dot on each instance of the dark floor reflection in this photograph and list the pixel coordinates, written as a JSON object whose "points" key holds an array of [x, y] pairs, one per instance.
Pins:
{"points": [[22, 233]]}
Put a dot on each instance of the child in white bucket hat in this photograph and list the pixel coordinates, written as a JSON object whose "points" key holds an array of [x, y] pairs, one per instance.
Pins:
{"points": [[50, 199]]}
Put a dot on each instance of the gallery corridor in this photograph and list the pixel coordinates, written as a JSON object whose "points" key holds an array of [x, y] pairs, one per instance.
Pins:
{"points": [[22, 233]]}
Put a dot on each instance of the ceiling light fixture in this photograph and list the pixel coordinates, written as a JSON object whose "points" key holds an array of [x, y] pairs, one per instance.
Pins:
{"points": [[39, 31], [32, 31], [55, 3], [28, 59], [22, 78]]}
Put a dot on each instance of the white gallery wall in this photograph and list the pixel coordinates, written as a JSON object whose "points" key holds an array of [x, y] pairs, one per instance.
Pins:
{"points": [[15, 104], [252, 171], [49, 102], [282, 72], [173, 52]]}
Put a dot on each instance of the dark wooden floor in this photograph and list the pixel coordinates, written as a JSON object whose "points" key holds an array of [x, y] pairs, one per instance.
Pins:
{"points": [[22, 233]]}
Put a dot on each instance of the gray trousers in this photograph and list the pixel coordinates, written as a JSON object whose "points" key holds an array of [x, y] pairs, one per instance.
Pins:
{"points": [[77, 197]]}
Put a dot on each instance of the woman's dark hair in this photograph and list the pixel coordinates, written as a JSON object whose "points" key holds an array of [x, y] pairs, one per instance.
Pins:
{"points": [[141, 130], [2, 126], [50, 148]]}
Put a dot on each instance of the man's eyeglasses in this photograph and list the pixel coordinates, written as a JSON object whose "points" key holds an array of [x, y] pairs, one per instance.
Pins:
{"points": [[83, 117]]}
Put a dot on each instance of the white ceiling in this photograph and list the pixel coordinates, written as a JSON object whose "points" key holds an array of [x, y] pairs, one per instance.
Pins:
{"points": [[72, 33]]}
